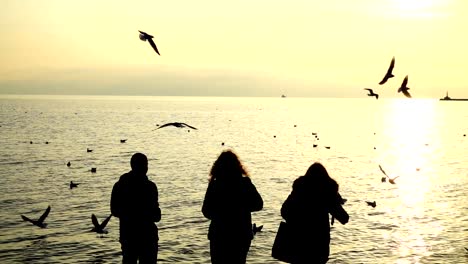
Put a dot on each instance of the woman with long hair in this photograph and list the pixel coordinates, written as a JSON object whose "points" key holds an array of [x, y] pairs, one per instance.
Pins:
{"points": [[313, 197], [229, 200]]}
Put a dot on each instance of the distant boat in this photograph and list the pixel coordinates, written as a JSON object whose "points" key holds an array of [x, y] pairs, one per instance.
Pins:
{"points": [[447, 98], [283, 96]]}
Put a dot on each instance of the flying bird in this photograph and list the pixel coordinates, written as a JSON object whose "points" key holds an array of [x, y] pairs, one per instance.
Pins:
{"points": [[39, 222], [256, 228], [404, 89], [145, 36], [389, 73], [99, 228], [373, 204], [371, 93], [73, 184], [390, 180], [176, 124]]}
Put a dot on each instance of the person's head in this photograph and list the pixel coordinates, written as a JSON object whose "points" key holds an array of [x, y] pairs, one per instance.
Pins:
{"points": [[139, 163], [318, 171], [319, 175], [227, 166]]}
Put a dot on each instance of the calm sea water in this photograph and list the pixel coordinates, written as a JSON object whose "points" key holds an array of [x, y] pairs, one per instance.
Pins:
{"points": [[423, 218]]}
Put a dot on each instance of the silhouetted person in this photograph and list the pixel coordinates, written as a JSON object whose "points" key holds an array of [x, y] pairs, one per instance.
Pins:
{"points": [[314, 196], [134, 201], [229, 200]]}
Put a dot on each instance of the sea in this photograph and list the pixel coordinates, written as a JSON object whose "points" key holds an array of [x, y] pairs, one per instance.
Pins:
{"points": [[422, 218]]}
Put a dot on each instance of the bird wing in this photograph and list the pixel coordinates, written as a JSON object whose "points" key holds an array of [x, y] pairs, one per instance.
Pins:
{"points": [[395, 178], [44, 215], [104, 223], [25, 218], [392, 64], [95, 221], [188, 126], [368, 89], [384, 80], [406, 93], [151, 42], [405, 81], [165, 125], [146, 34], [389, 72], [382, 171]]}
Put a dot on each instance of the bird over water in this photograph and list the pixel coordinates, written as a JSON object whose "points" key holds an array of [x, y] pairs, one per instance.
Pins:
{"points": [[176, 124], [39, 222], [145, 36], [371, 93], [403, 88], [99, 228], [389, 73]]}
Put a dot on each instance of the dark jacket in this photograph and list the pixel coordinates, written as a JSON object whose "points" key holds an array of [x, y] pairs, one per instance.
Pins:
{"points": [[228, 204], [306, 211], [134, 201]]}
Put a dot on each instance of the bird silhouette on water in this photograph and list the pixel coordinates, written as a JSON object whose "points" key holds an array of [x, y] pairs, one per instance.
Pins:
{"points": [[389, 73], [371, 93], [68, 164], [123, 140], [390, 180], [99, 228], [73, 184], [93, 170], [89, 150], [147, 37], [39, 222], [403, 88], [176, 124], [256, 228], [373, 204]]}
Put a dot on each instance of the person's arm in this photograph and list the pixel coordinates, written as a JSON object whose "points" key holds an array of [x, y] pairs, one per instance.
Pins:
{"points": [[115, 203], [156, 211], [337, 211], [255, 199], [208, 202]]}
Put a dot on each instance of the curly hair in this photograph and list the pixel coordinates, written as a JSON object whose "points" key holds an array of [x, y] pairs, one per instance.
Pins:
{"points": [[227, 165]]}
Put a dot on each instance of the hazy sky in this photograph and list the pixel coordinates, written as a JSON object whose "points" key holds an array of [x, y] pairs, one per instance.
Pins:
{"points": [[241, 47]]}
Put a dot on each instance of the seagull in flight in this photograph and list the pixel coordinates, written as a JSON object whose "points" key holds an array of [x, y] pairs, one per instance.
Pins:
{"points": [[404, 89], [99, 228], [39, 222], [371, 93], [256, 228], [390, 180], [176, 124], [389, 73], [145, 36]]}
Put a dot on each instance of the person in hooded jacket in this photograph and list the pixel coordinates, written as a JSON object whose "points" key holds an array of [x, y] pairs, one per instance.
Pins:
{"points": [[306, 210]]}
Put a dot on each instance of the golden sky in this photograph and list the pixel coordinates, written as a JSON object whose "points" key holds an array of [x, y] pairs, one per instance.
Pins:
{"points": [[297, 47]]}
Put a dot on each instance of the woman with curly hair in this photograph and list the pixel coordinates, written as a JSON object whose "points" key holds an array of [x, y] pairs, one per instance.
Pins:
{"points": [[229, 200]]}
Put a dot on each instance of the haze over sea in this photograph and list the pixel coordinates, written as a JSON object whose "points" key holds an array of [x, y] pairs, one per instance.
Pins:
{"points": [[423, 218]]}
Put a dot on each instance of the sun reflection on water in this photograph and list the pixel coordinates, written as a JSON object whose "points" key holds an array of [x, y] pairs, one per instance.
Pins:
{"points": [[410, 126]]}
